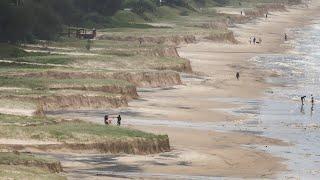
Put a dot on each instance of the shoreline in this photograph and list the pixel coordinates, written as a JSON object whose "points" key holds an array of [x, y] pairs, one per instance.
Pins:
{"points": [[206, 58], [208, 152]]}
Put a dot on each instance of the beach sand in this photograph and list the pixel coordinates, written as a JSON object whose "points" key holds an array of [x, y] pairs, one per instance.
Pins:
{"points": [[202, 151], [213, 153]]}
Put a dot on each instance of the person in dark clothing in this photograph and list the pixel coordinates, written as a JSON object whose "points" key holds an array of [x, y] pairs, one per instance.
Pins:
{"points": [[238, 75], [285, 37], [312, 104], [302, 99], [302, 109], [106, 117], [254, 40], [140, 41], [119, 120]]}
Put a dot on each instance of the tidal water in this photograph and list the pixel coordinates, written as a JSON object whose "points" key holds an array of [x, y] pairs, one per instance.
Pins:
{"points": [[280, 113]]}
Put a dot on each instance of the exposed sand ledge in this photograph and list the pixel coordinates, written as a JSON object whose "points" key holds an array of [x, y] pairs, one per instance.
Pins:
{"points": [[115, 146]]}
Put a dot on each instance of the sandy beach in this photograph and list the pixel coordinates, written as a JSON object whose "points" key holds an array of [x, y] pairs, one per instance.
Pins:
{"points": [[188, 113], [217, 153]]}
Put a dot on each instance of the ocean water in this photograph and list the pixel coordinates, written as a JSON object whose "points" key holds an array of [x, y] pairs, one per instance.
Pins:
{"points": [[281, 115]]}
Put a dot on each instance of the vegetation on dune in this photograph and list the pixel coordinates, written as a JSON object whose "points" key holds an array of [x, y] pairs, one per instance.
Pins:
{"points": [[32, 19], [45, 59], [123, 23], [66, 131], [23, 120], [27, 20], [16, 66], [23, 172], [28, 166], [120, 50], [13, 51], [72, 132], [8, 51], [7, 158], [47, 84]]}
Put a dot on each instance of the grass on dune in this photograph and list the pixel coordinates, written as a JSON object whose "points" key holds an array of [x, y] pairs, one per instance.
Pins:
{"points": [[7, 158], [14, 66], [15, 51], [133, 62], [7, 51], [45, 59], [27, 173], [45, 83], [12, 119], [27, 166], [68, 131]]}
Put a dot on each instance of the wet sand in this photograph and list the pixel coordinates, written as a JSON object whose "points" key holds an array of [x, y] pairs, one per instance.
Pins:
{"points": [[202, 152]]}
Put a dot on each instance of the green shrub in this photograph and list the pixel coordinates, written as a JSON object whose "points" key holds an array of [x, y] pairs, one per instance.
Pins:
{"points": [[141, 6]]}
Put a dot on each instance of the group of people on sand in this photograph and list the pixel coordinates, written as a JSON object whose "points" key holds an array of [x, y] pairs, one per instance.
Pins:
{"points": [[108, 119], [253, 40], [303, 98], [302, 103]]}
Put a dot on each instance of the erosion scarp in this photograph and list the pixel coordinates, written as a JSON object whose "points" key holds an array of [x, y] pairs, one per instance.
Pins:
{"points": [[168, 40], [138, 78], [116, 146]]}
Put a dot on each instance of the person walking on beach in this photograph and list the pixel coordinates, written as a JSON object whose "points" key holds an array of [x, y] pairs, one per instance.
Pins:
{"points": [[285, 37], [254, 40], [250, 40], [302, 109], [266, 15], [312, 104], [302, 99], [140, 41], [238, 75], [119, 120]]}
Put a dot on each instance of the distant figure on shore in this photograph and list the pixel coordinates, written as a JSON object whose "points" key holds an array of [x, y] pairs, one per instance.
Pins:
{"points": [[302, 99], [241, 13], [119, 120], [285, 37], [312, 105], [238, 75], [266, 15], [254, 40], [140, 41], [302, 109], [250, 40]]}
